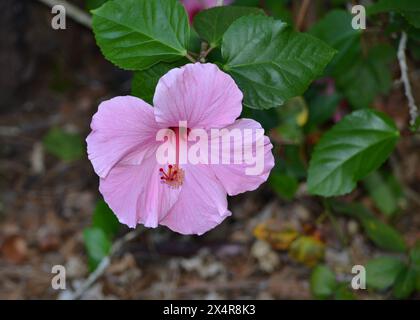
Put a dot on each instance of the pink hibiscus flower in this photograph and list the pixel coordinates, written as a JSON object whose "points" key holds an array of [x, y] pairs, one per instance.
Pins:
{"points": [[195, 6], [187, 198]]}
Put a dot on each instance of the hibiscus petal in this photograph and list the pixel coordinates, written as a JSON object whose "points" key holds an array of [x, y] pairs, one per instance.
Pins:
{"points": [[198, 93], [202, 203], [122, 127], [195, 6], [136, 194], [234, 176]]}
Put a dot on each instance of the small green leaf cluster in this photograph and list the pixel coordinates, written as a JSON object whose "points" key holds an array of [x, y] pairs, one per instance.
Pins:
{"points": [[324, 285], [400, 275], [65, 145], [98, 238], [270, 62]]}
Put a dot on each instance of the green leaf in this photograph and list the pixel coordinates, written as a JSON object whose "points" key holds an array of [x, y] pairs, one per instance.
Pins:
{"points": [[359, 77], [291, 161], [307, 250], [415, 263], [352, 210], [194, 44], [322, 108], [268, 118], [367, 77], [270, 62], [382, 193], [279, 10], [405, 283], [383, 235], [64, 145], [293, 116], [323, 283], [416, 125], [408, 8], [343, 293], [284, 185], [212, 23], [294, 111], [290, 133], [336, 30], [413, 18], [396, 188], [144, 82], [415, 256], [105, 219], [382, 272], [338, 3], [349, 151], [418, 281], [97, 246], [136, 34], [248, 3], [93, 4]]}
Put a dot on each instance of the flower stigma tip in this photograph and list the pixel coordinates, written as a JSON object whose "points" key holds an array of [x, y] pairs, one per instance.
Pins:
{"points": [[174, 176]]}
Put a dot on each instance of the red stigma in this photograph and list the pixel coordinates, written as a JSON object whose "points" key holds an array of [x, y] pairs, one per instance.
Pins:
{"points": [[174, 177]]}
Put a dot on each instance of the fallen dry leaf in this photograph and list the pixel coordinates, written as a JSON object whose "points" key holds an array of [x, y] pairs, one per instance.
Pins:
{"points": [[15, 249], [278, 238]]}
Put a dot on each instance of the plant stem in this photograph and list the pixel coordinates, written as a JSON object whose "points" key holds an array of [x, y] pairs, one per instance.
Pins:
{"points": [[104, 264], [188, 56], [302, 13], [193, 54], [205, 50], [405, 80]]}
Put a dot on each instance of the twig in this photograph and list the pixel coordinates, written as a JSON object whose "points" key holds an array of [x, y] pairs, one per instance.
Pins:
{"points": [[104, 264], [302, 14], [205, 50], [189, 57], [193, 54], [406, 81], [72, 11]]}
